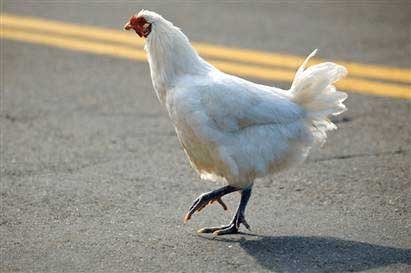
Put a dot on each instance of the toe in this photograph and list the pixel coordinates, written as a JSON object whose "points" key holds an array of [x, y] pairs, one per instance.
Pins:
{"points": [[209, 229], [186, 218], [200, 203], [196, 206], [231, 229], [244, 222], [220, 201]]}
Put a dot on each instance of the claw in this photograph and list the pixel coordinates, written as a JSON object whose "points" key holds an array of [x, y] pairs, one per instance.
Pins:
{"points": [[186, 218]]}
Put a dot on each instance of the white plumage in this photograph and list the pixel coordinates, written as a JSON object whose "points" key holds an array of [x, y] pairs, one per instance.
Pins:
{"points": [[233, 129]]}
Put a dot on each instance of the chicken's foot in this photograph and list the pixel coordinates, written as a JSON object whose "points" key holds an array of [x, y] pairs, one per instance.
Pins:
{"points": [[208, 198], [238, 219]]}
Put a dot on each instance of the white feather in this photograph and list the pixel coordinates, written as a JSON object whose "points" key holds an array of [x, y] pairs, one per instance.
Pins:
{"points": [[232, 129]]}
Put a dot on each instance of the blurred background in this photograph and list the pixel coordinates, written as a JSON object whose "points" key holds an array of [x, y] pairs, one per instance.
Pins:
{"points": [[93, 177]]}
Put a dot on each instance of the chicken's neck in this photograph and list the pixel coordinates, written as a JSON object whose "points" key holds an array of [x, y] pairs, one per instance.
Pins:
{"points": [[171, 57]]}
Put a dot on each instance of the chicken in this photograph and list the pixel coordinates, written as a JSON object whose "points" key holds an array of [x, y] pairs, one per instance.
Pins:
{"points": [[231, 129]]}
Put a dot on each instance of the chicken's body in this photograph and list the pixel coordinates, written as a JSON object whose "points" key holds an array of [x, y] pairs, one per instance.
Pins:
{"points": [[232, 129], [235, 130]]}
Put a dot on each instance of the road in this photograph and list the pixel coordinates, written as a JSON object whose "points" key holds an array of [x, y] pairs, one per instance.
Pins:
{"points": [[93, 178]]}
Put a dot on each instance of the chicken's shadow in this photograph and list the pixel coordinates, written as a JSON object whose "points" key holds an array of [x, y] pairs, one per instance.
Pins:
{"points": [[319, 254]]}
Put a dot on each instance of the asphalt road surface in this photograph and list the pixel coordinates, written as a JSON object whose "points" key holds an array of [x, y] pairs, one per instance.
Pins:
{"points": [[93, 178]]}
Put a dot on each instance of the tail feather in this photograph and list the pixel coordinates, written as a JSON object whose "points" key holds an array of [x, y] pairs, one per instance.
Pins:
{"points": [[313, 88]]}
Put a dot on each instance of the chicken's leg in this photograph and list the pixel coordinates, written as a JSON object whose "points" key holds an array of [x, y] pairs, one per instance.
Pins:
{"points": [[208, 198], [238, 219]]}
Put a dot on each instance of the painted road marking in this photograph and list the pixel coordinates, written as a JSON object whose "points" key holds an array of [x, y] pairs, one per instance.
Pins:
{"points": [[271, 66], [242, 55], [61, 41]]}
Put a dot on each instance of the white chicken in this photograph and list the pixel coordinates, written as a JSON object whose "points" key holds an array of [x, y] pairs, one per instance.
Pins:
{"points": [[232, 129]]}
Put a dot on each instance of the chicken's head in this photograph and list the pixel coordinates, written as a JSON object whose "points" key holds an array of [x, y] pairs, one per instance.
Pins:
{"points": [[140, 25]]}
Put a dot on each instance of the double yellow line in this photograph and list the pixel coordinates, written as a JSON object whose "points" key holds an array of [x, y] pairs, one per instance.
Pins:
{"points": [[369, 79]]}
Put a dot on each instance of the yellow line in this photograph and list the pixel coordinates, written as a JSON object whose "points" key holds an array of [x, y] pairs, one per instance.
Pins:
{"points": [[289, 61], [374, 88], [254, 71], [354, 85], [348, 84], [378, 72], [88, 32], [212, 51], [74, 44]]}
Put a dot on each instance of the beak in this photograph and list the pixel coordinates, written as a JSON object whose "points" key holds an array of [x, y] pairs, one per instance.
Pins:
{"points": [[127, 26]]}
